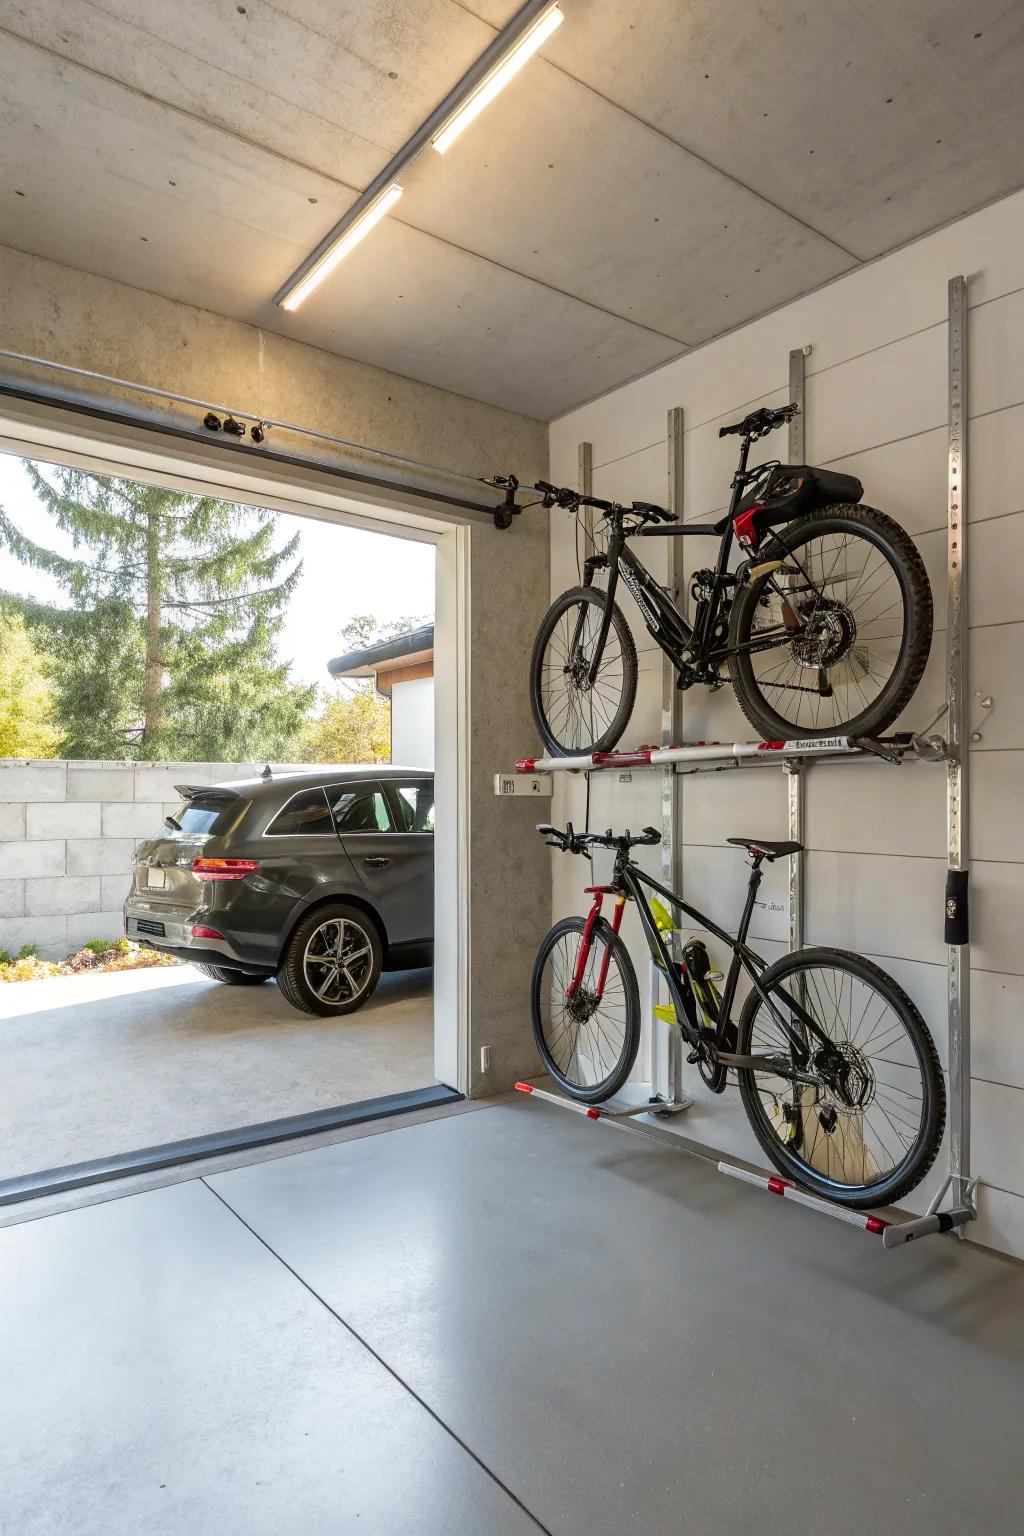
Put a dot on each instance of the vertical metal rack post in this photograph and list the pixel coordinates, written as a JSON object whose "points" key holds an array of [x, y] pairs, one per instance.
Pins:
{"points": [[958, 765], [585, 483], [667, 1074], [795, 771]]}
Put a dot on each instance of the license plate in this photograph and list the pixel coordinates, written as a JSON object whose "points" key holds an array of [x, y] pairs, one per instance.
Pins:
{"points": [[156, 879]]}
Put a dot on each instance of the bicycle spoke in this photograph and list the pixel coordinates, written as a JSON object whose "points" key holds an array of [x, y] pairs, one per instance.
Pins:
{"points": [[855, 1130]]}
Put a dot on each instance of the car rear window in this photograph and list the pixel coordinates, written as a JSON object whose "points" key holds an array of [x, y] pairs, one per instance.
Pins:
{"points": [[203, 813], [306, 814]]}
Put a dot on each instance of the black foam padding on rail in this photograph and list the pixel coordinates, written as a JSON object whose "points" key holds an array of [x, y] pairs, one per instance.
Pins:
{"points": [[957, 925]]}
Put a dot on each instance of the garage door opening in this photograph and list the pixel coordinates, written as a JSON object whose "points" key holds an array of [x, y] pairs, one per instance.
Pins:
{"points": [[217, 812]]}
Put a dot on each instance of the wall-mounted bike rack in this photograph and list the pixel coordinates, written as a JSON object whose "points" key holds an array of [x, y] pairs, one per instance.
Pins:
{"points": [[673, 759]]}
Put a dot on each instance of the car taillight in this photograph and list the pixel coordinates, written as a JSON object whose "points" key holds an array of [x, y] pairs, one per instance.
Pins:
{"points": [[224, 869], [200, 932]]}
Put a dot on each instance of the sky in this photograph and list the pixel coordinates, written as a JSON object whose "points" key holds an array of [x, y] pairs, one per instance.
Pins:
{"points": [[345, 571]]}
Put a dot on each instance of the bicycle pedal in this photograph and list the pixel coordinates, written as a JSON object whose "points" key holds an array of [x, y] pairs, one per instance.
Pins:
{"points": [[693, 1058]]}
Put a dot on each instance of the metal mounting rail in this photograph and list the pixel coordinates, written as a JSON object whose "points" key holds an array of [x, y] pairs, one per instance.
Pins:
{"points": [[888, 748]]}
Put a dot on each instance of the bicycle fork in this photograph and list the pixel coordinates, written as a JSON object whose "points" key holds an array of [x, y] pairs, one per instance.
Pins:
{"points": [[599, 892]]}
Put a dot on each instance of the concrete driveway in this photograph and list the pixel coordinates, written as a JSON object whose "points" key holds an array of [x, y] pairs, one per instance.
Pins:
{"points": [[91, 1066]]}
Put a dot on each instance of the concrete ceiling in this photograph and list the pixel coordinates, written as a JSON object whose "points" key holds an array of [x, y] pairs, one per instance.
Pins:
{"points": [[664, 172]]}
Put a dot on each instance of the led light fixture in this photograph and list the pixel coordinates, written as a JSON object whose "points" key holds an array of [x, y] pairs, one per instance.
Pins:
{"points": [[340, 248], [499, 77]]}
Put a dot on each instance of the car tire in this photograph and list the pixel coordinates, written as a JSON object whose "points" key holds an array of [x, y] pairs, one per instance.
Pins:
{"points": [[305, 977], [231, 977]]}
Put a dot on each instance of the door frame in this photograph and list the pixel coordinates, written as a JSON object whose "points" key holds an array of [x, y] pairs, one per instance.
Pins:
{"points": [[49, 433]]}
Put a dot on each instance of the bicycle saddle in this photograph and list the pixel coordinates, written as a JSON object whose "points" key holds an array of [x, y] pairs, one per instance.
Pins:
{"points": [[767, 850]]}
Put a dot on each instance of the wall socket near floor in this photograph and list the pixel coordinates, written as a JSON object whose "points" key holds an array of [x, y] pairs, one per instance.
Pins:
{"points": [[485, 1058], [522, 784]]}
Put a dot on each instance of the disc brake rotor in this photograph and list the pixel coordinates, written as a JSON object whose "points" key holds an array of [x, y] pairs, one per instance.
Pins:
{"points": [[827, 636]]}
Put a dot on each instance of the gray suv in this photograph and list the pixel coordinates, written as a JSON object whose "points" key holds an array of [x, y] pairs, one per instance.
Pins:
{"points": [[322, 879]]}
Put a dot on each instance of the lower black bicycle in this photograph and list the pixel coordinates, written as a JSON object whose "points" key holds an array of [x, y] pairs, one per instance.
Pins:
{"points": [[837, 1072]]}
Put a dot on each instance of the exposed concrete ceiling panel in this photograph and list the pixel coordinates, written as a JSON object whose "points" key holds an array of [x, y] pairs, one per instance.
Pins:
{"points": [[873, 120], [615, 213], [110, 181], [436, 313], [338, 87], [662, 173]]}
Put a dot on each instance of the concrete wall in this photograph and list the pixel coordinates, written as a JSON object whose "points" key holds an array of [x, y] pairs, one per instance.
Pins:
{"points": [[876, 406], [67, 834], [59, 313]]}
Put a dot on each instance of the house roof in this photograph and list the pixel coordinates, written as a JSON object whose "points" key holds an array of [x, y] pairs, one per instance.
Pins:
{"points": [[399, 650]]}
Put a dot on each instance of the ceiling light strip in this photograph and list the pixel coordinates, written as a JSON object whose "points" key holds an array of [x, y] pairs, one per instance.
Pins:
{"points": [[496, 54], [499, 77], [340, 248]]}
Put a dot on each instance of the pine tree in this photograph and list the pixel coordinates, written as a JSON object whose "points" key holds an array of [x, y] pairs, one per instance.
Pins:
{"points": [[166, 648]]}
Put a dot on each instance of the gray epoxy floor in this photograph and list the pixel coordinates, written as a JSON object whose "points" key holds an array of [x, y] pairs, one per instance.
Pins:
{"points": [[625, 1340]]}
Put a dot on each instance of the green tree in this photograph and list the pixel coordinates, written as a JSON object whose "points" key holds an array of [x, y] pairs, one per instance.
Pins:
{"points": [[26, 705], [363, 630], [166, 648], [353, 728]]}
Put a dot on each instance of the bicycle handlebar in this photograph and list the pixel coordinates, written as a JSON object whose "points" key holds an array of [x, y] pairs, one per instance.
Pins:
{"points": [[567, 496], [759, 423], [570, 841]]}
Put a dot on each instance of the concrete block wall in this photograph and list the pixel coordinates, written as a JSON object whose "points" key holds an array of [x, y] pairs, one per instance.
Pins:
{"points": [[68, 831], [876, 407]]}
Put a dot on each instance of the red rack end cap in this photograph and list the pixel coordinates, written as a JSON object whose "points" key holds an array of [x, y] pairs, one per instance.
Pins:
{"points": [[876, 1225], [778, 1186], [524, 1087], [525, 764], [593, 1114]]}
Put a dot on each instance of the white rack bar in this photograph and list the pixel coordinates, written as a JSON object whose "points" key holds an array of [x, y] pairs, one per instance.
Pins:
{"points": [[776, 1185], [929, 747], [893, 1233], [609, 1109]]}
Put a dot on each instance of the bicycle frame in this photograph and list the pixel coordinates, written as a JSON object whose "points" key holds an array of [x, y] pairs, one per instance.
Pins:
{"points": [[664, 620], [628, 884]]}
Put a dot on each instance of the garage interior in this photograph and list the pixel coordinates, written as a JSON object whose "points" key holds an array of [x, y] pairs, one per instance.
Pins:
{"points": [[493, 1315]]}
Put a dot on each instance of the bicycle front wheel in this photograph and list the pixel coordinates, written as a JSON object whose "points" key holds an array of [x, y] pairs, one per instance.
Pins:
{"points": [[587, 1033], [573, 713], [868, 1129]]}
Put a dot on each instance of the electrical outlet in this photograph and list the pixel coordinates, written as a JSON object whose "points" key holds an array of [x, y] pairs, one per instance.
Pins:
{"points": [[538, 788]]}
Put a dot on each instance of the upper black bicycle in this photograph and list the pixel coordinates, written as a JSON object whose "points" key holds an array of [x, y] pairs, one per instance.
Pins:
{"points": [[823, 627]]}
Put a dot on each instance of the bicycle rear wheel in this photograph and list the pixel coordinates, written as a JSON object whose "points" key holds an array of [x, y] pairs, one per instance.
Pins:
{"points": [[869, 1129], [588, 1043], [859, 609]]}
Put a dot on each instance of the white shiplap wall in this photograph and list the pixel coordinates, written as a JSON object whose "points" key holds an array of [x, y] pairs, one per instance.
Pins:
{"points": [[876, 406]]}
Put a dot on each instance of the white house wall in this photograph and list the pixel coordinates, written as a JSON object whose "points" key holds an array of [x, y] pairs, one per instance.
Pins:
{"points": [[412, 723], [876, 407]]}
